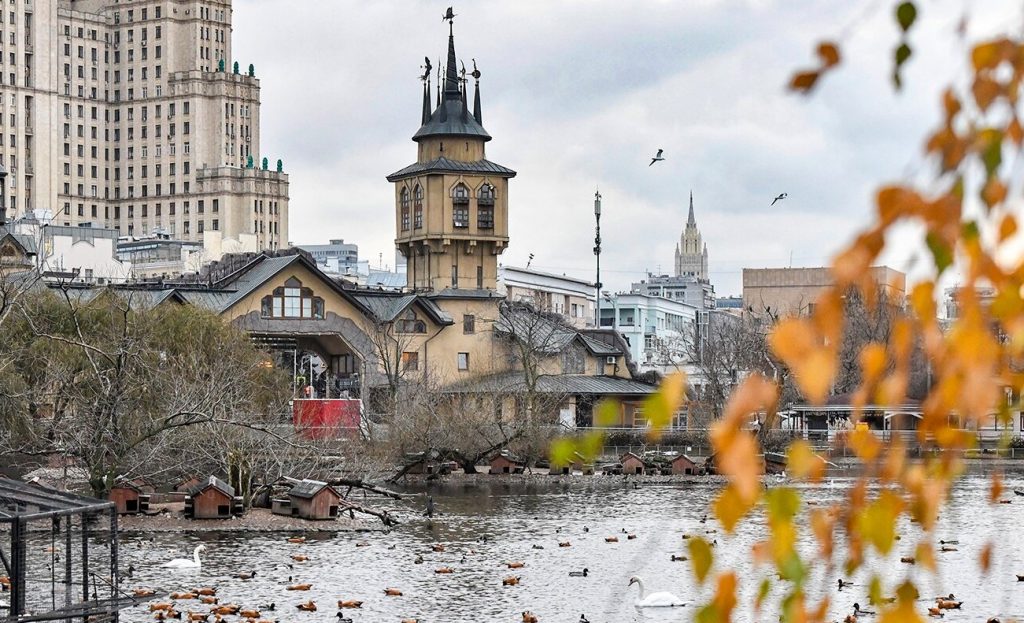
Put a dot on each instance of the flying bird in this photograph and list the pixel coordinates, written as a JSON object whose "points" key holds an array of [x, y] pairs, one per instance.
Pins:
{"points": [[657, 157], [779, 198], [449, 15]]}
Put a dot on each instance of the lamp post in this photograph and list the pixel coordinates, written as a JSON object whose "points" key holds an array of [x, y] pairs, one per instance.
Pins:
{"points": [[3, 194], [597, 254]]}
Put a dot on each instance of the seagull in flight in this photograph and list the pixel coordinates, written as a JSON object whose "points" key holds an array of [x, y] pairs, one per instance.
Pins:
{"points": [[779, 198], [657, 157]]}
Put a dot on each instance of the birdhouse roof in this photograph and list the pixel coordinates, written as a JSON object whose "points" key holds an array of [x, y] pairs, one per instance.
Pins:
{"points": [[310, 488], [214, 483]]}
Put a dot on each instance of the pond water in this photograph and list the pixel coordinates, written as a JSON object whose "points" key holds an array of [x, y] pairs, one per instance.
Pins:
{"points": [[484, 527]]}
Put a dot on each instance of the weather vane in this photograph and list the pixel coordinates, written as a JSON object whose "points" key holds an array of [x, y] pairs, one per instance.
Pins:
{"points": [[426, 69], [449, 15]]}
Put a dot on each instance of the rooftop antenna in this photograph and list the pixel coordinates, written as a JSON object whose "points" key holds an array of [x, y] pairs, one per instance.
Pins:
{"points": [[529, 261]]}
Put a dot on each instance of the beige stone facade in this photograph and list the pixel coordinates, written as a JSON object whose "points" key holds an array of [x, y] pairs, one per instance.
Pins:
{"points": [[116, 113], [793, 291]]}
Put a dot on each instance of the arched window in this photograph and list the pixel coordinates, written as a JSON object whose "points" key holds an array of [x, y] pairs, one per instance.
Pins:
{"points": [[460, 206], [292, 301], [404, 201], [417, 207], [485, 207], [409, 323]]}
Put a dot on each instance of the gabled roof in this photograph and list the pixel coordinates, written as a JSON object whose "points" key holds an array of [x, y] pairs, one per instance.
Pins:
{"points": [[215, 483], [547, 334], [387, 306], [565, 384], [307, 489], [446, 165]]}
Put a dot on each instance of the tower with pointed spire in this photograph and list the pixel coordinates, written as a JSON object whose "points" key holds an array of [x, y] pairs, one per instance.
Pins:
{"points": [[451, 205], [691, 251]]}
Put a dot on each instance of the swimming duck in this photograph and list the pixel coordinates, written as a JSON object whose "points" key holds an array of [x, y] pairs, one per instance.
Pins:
{"points": [[178, 595], [226, 609], [160, 606], [949, 604], [857, 611], [908, 559], [249, 614], [565, 544], [630, 537], [300, 557], [209, 590], [296, 539], [535, 546], [843, 583], [529, 617], [392, 592], [143, 592], [299, 587], [935, 612], [197, 616], [611, 539], [350, 603], [515, 565], [511, 580], [362, 544], [246, 575], [309, 606], [208, 600], [679, 558], [579, 574], [419, 560], [438, 547], [444, 570]]}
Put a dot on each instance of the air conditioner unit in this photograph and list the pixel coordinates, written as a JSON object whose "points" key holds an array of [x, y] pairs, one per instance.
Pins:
{"points": [[609, 360]]}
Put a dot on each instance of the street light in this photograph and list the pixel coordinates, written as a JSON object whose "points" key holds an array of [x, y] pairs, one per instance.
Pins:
{"points": [[597, 253], [3, 194]]}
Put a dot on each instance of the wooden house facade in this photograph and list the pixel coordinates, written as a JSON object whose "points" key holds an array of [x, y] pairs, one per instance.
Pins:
{"points": [[129, 498], [505, 463], [632, 464], [683, 464], [312, 499], [212, 499]]}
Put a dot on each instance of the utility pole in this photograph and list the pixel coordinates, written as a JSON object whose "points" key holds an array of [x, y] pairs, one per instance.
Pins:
{"points": [[597, 254]]}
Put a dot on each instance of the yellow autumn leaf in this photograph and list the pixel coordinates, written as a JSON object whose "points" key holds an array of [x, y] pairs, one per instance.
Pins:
{"points": [[802, 462], [985, 558], [701, 558], [730, 506], [995, 492]]}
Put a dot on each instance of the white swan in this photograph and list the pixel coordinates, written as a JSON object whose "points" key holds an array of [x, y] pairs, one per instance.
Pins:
{"points": [[185, 563], [661, 599]]}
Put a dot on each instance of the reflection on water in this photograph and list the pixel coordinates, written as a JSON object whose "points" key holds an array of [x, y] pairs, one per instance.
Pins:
{"points": [[484, 527]]}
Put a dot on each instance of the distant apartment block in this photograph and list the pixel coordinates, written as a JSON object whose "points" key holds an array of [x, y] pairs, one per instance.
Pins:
{"points": [[336, 257], [657, 329], [793, 291], [570, 297], [131, 115], [684, 289]]}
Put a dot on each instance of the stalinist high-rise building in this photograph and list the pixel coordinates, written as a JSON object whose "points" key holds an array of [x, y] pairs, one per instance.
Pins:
{"points": [[691, 251], [132, 115]]}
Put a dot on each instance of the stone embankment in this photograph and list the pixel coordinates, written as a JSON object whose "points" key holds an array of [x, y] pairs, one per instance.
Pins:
{"points": [[171, 518]]}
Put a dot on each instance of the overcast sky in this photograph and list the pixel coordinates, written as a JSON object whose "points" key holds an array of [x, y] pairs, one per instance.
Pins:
{"points": [[580, 94]]}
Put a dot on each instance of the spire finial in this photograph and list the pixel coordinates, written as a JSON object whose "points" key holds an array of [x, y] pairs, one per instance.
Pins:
{"points": [[451, 80], [690, 220]]}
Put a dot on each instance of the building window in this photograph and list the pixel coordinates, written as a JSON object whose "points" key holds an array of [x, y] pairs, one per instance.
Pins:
{"points": [[410, 360], [417, 206], [468, 324], [463, 361], [405, 209], [292, 301], [460, 206], [409, 323], [485, 207]]}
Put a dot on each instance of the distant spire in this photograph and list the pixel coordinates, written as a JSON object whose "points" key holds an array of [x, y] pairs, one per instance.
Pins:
{"points": [[465, 104], [690, 220], [438, 81]]}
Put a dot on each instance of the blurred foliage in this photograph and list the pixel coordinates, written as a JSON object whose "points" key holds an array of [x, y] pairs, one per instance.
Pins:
{"points": [[975, 359]]}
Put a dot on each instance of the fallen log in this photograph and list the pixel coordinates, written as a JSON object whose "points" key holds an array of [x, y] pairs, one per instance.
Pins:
{"points": [[385, 517], [360, 484]]}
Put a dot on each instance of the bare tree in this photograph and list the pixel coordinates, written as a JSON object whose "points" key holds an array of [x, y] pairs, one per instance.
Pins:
{"points": [[104, 379]]}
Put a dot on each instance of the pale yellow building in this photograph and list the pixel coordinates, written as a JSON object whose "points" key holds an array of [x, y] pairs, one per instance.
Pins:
{"points": [[793, 291], [129, 115]]}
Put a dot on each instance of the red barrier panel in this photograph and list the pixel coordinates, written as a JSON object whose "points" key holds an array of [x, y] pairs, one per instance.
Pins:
{"points": [[326, 419]]}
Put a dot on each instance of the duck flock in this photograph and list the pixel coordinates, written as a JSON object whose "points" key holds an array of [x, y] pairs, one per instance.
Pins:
{"points": [[203, 605]]}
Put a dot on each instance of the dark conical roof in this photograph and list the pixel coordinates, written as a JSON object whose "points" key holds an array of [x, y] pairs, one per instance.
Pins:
{"points": [[450, 118]]}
